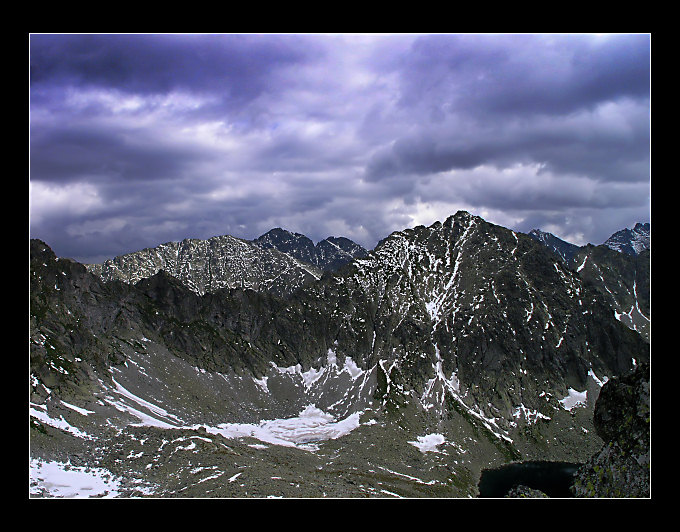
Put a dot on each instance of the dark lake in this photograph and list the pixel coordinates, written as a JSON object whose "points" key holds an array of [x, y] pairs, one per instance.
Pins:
{"points": [[552, 478]]}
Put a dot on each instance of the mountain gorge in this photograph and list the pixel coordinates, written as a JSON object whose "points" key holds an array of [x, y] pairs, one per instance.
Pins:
{"points": [[231, 368]]}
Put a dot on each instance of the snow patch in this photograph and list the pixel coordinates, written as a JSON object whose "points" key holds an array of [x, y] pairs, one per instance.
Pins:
{"points": [[146, 419], [332, 359], [530, 416], [61, 480], [351, 368], [574, 399], [582, 264], [262, 383], [77, 409], [310, 426], [600, 382], [429, 442], [60, 424], [312, 375]]}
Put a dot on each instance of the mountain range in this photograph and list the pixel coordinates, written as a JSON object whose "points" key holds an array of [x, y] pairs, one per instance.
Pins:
{"points": [[276, 367], [278, 262], [629, 241]]}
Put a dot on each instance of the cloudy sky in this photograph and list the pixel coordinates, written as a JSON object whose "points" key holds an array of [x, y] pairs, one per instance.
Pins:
{"points": [[136, 140]]}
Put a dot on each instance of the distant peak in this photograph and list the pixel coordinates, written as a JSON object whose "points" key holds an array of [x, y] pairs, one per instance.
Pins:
{"points": [[460, 216], [279, 230], [631, 241], [563, 249]]}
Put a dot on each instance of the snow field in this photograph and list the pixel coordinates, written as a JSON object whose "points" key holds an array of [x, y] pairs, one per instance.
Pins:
{"points": [[61, 480]]}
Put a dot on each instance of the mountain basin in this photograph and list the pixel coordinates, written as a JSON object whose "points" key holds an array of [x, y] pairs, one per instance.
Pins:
{"points": [[552, 478]]}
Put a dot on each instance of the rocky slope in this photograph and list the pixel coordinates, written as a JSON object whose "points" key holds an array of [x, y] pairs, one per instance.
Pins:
{"points": [[622, 279], [208, 265], [486, 313], [619, 270], [445, 350]]}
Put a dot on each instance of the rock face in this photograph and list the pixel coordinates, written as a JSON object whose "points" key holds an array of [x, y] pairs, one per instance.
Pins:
{"points": [[69, 311], [329, 254], [212, 264], [279, 262], [631, 241], [622, 420], [445, 350], [622, 279]]}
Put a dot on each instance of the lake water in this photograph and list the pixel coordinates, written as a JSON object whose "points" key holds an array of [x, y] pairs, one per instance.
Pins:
{"points": [[552, 478]]}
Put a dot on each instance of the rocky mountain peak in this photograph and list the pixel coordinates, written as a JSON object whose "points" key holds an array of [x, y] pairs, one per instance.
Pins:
{"points": [[474, 292], [631, 241], [328, 254], [295, 244]]}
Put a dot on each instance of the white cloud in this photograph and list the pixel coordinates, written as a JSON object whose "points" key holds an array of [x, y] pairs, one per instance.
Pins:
{"points": [[52, 200]]}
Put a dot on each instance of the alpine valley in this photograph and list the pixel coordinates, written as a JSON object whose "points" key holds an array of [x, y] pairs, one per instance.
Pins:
{"points": [[280, 368]]}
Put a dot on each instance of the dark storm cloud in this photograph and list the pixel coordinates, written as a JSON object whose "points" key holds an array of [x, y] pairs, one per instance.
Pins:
{"points": [[63, 154], [581, 146], [520, 74], [237, 68], [474, 100]]}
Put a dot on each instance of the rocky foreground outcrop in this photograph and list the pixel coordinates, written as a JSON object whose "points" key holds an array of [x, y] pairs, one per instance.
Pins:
{"points": [[524, 492], [622, 419]]}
